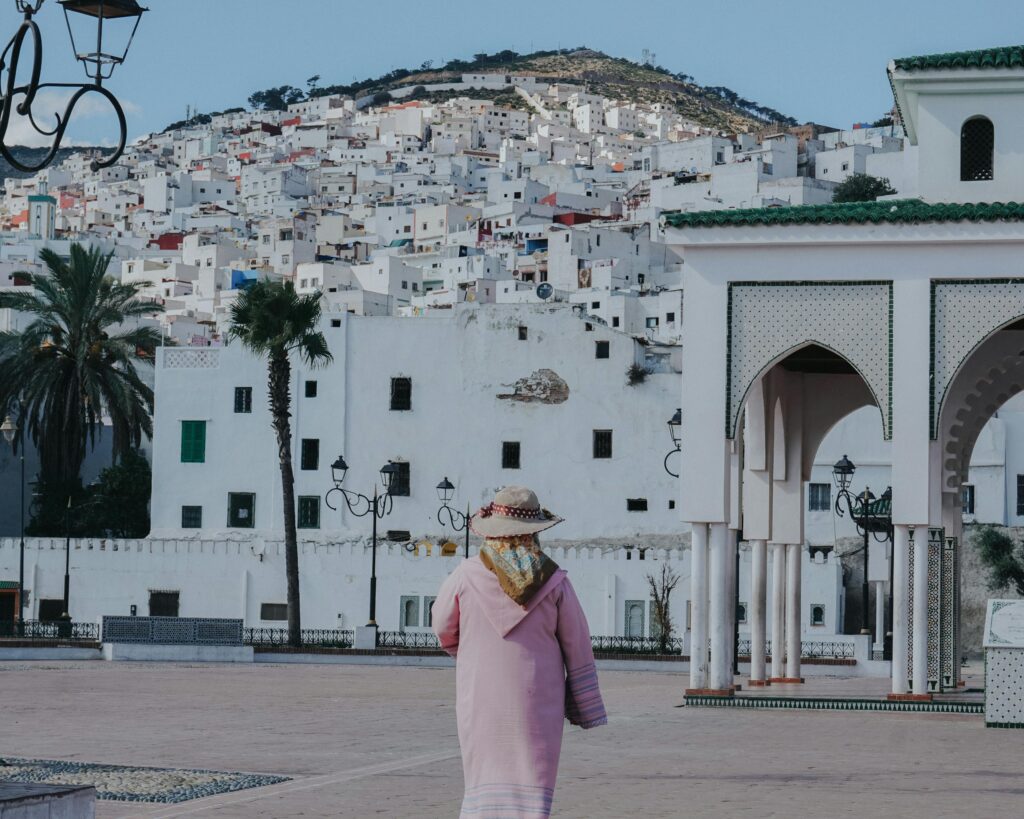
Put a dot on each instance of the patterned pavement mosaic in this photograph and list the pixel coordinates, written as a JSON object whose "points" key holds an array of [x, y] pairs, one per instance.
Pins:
{"points": [[124, 783]]}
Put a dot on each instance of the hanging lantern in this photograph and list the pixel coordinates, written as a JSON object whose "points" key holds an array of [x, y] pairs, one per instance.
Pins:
{"points": [[90, 18]]}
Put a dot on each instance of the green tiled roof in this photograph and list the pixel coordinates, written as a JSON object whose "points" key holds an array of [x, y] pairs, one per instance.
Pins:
{"points": [[895, 211], [1004, 57], [8, 584]]}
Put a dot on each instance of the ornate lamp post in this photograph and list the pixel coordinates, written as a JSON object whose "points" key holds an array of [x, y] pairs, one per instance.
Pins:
{"points": [[99, 65], [379, 506], [456, 519], [871, 518], [675, 424], [12, 432]]}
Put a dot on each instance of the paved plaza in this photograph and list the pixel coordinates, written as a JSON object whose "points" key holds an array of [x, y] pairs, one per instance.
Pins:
{"points": [[358, 741]]}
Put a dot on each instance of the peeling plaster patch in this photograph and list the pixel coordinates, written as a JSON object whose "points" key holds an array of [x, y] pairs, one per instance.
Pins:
{"points": [[541, 386]]}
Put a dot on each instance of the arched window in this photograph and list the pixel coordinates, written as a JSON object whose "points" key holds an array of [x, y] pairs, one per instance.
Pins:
{"points": [[977, 143]]}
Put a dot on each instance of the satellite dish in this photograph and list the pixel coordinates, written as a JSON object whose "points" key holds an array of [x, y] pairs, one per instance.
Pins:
{"points": [[544, 290]]}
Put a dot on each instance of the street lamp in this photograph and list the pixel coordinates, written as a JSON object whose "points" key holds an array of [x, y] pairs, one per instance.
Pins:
{"points": [[11, 430], [675, 425], [379, 506], [99, 65], [871, 518], [456, 519]]}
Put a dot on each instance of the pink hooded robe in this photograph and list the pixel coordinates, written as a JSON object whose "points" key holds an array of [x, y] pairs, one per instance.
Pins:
{"points": [[519, 674]]}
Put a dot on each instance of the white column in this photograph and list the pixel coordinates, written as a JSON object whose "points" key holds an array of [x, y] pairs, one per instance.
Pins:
{"points": [[879, 617], [699, 605], [732, 578], [793, 604], [900, 606], [919, 673], [778, 610], [719, 674], [756, 609]]}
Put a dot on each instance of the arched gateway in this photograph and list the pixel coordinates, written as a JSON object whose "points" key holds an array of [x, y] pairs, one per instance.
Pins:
{"points": [[796, 316]]}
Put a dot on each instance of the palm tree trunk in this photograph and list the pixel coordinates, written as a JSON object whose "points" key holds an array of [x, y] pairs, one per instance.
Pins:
{"points": [[279, 375]]}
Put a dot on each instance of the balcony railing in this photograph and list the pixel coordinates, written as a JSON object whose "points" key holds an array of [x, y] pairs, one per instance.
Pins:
{"points": [[407, 639], [809, 649]]}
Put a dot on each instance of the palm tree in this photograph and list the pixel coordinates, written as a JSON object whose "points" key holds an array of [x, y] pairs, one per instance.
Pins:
{"points": [[272, 320], [75, 363]]}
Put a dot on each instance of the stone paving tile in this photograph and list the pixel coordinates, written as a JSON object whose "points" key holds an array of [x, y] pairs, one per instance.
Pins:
{"points": [[355, 739]]}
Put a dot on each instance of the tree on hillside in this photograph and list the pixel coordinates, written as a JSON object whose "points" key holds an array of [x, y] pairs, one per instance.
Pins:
{"points": [[75, 363], [862, 187], [273, 321], [276, 99], [312, 83], [1003, 559], [661, 591]]}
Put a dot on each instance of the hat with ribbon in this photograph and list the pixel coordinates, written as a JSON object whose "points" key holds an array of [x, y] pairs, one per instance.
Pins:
{"points": [[515, 510]]}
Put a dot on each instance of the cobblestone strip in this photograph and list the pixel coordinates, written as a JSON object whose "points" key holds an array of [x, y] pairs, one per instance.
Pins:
{"points": [[216, 802]]}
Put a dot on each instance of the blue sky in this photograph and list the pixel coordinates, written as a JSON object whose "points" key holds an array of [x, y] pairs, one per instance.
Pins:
{"points": [[815, 61]]}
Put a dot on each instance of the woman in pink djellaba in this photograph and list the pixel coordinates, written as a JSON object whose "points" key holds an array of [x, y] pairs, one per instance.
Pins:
{"points": [[524, 661]]}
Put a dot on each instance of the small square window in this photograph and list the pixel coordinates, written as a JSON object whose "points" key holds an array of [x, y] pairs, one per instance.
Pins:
{"points": [[273, 611], [671, 504], [523, 332], [510, 455], [615, 321], [819, 497], [310, 457], [817, 614], [967, 497], [635, 504], [309, 512], [595, 305], [335, 322], [670, 318], [401, 394], [602, 443], [241, 510], [191, 517], [602, 349], [243, 399], [311, 387], [588, 327]]}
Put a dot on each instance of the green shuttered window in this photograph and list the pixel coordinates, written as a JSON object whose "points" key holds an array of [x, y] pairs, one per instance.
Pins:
{"points": [[193, 442]]}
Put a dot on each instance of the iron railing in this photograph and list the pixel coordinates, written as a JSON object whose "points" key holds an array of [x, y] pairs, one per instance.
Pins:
{"points": [[320, 637], [210, 631], [407, 639], [809, 649], [636, 645], [49, 630]]}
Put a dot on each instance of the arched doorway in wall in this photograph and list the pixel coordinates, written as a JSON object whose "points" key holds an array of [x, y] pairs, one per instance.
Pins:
{"points": [[789, 408], [970, 422]]}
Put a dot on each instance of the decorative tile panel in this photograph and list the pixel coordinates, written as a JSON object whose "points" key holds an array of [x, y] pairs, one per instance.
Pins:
{"points": [[1004, 687], [936, 538], [770, 319], [964, 313], [949, 650]]}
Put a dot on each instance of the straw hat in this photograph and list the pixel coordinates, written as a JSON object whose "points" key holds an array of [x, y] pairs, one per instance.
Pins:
{"points": [[515, 510]]}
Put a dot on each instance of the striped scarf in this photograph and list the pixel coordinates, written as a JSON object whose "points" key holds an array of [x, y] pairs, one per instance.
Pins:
{"points": [[521, 567]]}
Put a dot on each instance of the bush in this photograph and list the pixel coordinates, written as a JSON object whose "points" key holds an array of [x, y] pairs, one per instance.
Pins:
{"points": [[636, 374], [999, 554], [862, 187]]}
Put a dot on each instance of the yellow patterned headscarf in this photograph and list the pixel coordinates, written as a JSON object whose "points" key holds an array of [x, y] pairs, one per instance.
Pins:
{"points": [[519, 564]]}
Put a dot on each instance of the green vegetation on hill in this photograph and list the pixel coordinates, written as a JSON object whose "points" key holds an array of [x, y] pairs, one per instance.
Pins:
{"points": [[613, 77]]}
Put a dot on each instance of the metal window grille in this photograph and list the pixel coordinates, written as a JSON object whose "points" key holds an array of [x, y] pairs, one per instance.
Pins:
{"points": [[164, 603], [309, 512], [273, 611], [243, 399], [636, 504], [241, 510], [401, 394], [977, 144], [193, 442], [510, 455], [310, 454], [191, 517], [400, 482], [602, 349], [311, 388], [819, 497], [602, 443], [967, 497]]}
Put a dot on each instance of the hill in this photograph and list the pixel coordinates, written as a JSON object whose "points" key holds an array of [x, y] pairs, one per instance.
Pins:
{"points": [[32, 156], [614, 77]]}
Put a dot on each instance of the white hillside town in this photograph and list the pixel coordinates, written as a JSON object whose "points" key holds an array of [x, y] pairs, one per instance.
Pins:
{"points": [[527, 293]]}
